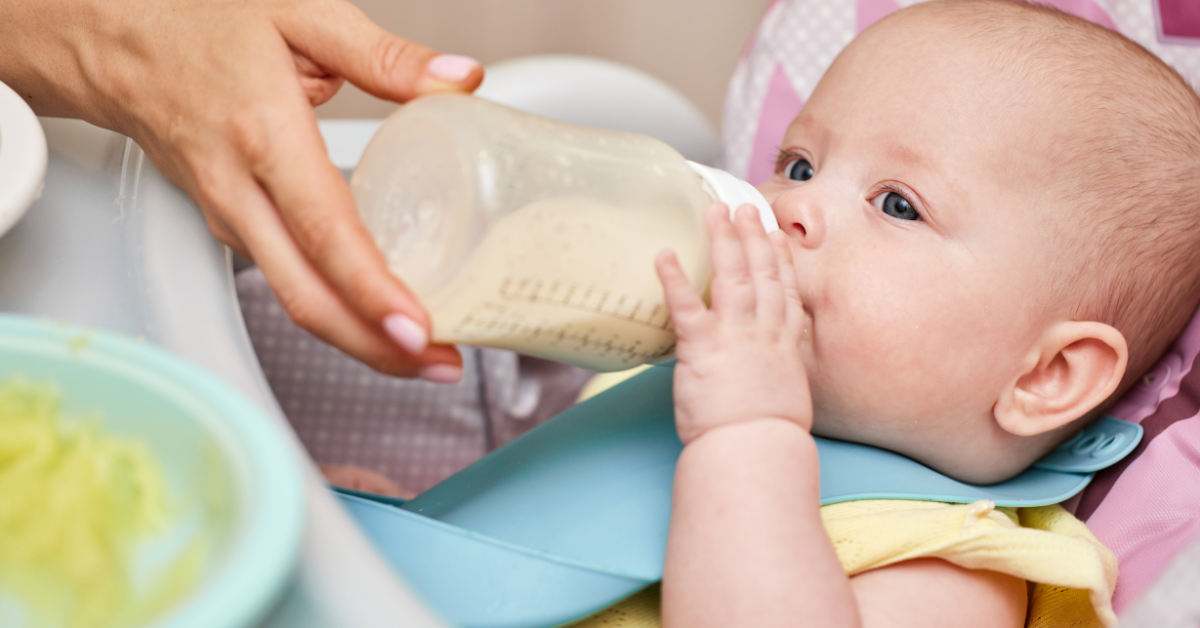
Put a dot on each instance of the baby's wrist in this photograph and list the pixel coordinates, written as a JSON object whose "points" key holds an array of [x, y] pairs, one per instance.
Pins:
{"points": [[759, 454], [759, 428]]}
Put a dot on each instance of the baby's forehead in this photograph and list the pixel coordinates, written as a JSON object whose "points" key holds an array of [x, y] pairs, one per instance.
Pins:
{"points": [[942, 52], [1030, 50], [909, 104], [1017, 82]]}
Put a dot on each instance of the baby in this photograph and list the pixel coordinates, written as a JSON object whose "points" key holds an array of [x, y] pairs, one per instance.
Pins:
{"points": [[990, 227]]}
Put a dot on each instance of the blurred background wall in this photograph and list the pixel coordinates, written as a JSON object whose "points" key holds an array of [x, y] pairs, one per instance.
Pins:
{"points": [[691, 44]]}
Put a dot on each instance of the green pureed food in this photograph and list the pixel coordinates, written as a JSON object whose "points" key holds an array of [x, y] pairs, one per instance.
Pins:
{"points": [[90, 534]]}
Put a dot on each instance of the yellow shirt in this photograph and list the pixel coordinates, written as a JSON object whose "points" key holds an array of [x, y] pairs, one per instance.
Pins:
{"points": [[1073, 574]]}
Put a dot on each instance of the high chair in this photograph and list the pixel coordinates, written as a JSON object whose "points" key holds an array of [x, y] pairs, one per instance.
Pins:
{"points": [[112, 244]]}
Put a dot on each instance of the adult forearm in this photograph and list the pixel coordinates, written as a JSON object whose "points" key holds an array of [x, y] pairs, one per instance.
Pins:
{"points": [[42, 53], [747, 546], [220, 96]]}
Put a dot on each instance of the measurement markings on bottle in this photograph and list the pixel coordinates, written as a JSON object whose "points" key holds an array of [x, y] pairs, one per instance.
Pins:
{"points": [[494, 318], [571, 295]]}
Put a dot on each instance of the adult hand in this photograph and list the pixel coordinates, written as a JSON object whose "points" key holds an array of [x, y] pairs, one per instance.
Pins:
{"points": [[220, 95]]}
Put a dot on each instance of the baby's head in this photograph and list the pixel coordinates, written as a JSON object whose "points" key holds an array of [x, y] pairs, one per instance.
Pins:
{"points": [[995, 217]]}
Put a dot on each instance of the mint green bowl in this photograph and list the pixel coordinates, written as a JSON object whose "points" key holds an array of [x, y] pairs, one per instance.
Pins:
{"points": [[228, 464]]}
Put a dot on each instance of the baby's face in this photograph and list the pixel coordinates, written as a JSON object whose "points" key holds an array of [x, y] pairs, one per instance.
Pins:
{"points": [[915, 187]]}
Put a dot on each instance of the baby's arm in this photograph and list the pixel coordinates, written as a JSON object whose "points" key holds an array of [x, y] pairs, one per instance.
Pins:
{"points": [[747, 546]]}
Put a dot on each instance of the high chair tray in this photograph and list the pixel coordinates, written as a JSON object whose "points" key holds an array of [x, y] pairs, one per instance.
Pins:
{"points": [[573, 516]]}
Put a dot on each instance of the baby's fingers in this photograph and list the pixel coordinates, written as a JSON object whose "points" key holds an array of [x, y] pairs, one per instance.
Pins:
{"points": [[764, 268], [686, 307], [793, 304], [732, 286]]}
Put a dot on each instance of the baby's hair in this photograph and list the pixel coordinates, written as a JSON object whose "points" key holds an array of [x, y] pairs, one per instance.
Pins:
{"points": [[1130, 252]]}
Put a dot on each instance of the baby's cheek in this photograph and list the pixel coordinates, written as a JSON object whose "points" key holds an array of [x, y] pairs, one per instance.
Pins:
{"points": [[900, 342]]}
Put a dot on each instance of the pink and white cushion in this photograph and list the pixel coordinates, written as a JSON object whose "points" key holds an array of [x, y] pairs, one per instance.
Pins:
{"points": [[1147, 508]]}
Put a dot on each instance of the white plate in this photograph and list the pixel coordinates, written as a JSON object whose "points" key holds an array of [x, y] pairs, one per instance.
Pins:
{"points": [[22, 158]]}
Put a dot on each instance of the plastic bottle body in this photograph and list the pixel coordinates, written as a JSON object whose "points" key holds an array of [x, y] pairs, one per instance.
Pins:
{"points": [[522, 233]]}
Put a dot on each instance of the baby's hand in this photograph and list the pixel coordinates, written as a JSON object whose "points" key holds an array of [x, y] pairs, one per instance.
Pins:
{"points": [[740, 360]]}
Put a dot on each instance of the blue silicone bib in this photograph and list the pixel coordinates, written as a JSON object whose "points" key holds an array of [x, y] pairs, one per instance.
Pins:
{"points": [[573, 516]]}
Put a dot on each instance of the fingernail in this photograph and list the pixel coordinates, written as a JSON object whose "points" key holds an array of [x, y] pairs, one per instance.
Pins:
{"points": [[451, 68], [441, 373], [405, 332]]}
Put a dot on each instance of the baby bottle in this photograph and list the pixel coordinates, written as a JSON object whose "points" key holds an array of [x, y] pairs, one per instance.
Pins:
{"points": [[524, 233]]}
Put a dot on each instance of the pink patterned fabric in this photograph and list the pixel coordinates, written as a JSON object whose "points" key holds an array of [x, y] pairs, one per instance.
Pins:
{"points": [[1087, 9], [1152, 510], [1179, 19], [779, 108], [870, 11], [1148, 507]]}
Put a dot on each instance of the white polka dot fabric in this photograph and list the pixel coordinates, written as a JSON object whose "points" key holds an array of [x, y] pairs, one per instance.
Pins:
{"points": [[798, 39], [414, 432]]}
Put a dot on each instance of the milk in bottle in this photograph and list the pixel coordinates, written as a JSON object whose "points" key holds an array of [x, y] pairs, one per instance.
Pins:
{"points": [[527, 234]]}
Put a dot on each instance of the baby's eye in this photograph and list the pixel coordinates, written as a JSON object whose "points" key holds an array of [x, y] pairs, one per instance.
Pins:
{"points": [[799, 170], [896, 206]]}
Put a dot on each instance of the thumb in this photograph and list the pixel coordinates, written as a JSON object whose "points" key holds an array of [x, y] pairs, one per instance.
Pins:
{"points": [[341, 39]]}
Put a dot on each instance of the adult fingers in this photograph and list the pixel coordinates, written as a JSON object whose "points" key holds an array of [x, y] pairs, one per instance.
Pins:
{"points": [[318, 85], [224, 234], [318, 211], [732, 286], [764, 268], [311, 302], [793, 304], [344, 41], [686, 307]]}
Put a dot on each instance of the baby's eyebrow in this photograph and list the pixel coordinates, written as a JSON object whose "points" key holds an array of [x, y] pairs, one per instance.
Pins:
{"points": [[904, 154], [809, 126]]}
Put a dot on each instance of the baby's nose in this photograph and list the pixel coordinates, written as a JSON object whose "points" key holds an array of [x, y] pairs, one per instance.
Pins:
{"points": [[800, 217]]}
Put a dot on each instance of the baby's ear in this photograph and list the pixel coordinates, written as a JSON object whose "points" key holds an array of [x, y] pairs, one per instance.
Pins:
{"points": [[1074, 368]]}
